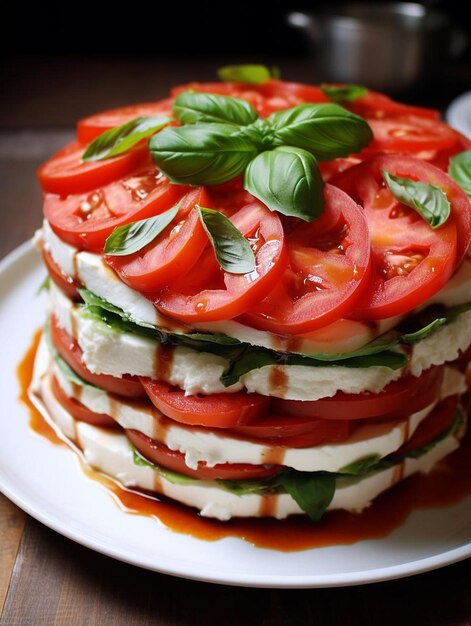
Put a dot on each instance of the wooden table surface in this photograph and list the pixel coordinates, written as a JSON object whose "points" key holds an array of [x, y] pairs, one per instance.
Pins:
{"points": [[46, 579]]}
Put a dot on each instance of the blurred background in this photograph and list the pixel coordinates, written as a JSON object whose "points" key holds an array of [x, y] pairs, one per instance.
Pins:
{"points": [[68, 61]]}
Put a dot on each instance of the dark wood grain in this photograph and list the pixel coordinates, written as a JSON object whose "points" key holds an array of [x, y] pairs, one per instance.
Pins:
{"points": [[48, 580]]}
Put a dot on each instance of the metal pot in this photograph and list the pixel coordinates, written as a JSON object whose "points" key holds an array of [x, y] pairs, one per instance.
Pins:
{"points": [[390, 47]]}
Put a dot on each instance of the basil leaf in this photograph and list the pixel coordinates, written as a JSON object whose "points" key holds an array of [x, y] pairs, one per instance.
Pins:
{"points": [[460, 170], [132, 237], [191, 107], [69, 374], [327, 131], [122, 138], [245, 361], [344, 93], [361, 466], [172, 477], [44, 286], [232, 250], [250, 74], [418, 335], [429, 201], [312, 491], [201, 154], [287, 180]]}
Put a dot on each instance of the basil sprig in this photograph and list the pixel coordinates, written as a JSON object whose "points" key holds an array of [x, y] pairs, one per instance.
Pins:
{"points": [[460, 170], [343, 93], [122, 138], [232, 250], [250, 74], [428, 200], [134, 236], [279, 154]]}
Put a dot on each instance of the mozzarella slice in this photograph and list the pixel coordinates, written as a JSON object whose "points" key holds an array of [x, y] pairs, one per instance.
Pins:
{"points": [[111, 453]]}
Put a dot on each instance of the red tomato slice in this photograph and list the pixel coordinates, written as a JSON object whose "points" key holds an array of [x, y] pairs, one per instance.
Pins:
{"points": [[65, 173], [78, 410], [70, 351], [207, 293], [377, 105], [171, 255], [173, 460], [268, 97], [401, 397], [296, 431], [219, 410], [86, 220], [441, 418], [66, 283], [328, 266], [93, 126], [411, 261], [410, 133]]}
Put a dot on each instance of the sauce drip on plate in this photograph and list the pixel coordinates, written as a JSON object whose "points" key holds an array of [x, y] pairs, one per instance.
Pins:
{"points": [[448, 483]]}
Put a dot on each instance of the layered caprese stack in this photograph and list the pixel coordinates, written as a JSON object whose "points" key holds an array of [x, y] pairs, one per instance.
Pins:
{"points": [[259, 294]]}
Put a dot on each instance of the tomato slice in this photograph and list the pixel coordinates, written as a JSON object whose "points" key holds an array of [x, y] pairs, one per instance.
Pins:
{"points": [[441, 418], [67, 284], [400, 397], [296, 431], [70, 351], [328, 267], [410, 133], [86, 220], [207, 293], [78, 410], [411, 261], [219, 410], [173, 460], [91, 127], [66, 173], [377, 105], [171, 254]]}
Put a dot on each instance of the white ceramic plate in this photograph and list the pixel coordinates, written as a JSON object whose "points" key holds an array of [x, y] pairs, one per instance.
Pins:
{"points": [[46, 481], [458, 114]]}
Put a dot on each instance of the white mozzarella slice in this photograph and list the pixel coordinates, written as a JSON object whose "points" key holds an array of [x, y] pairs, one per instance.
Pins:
{"points": [[212, 448], [112, 454]]}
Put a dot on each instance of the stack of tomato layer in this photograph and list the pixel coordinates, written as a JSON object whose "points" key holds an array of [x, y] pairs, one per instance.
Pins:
{"points": [[368, 257]]}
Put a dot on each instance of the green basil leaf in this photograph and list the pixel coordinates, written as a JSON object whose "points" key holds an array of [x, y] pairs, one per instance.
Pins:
{"points": [[173, 477], [44, 286], [418, 335], [327, 131], [287, 180], [132, 237], [201, 154], [344, 93], [245, 361], [460, 170], [361, 466], [69, 374], [190, 107], [429, 201], [122, 138], [232, 250], [312, 491], [250, 74]]}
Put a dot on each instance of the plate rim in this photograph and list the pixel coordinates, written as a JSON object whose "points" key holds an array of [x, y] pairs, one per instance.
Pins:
{"points": [[40, 513]]}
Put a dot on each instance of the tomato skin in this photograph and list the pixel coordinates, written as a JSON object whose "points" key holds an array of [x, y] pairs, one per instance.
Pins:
{"points": [[207, 293], [91, 127], [68, 285], [378, 105], [290, 431], [78, 410], [411, 261], [86, 220], [329, 263], [65, 173], [408, 394], [171, 254], [173, 460], [441, 418], [70, 351], [219, 410]]}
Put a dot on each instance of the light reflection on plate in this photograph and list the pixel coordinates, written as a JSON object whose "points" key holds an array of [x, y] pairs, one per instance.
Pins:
{"points": [[458, 114]]}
